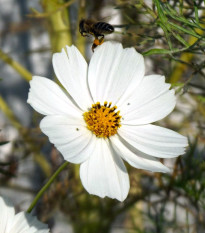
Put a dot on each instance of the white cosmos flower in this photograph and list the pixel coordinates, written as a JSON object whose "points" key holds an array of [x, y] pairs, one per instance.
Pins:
{"points": [[19, 223], [104, 116]]}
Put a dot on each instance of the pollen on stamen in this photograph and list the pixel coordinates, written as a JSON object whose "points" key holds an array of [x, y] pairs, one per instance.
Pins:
{"points": [[103, 120]]}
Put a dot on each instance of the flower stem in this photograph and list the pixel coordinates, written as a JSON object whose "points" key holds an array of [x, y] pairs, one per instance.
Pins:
{"points": [[58, 23], [9, 113], [16, 66], [45, 187]]}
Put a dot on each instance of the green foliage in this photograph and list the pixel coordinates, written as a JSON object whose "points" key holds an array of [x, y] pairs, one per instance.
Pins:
{"points": [[174, 18], [192, 179]]}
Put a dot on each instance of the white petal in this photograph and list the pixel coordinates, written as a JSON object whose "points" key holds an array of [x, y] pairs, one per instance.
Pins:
{"points": [[154, 140], [20, 223], [138, 159], [26, 223], [104, 173], [112, 70], [151, 101], [6, 214], [46, 97], [71, 137], [71, 69]]}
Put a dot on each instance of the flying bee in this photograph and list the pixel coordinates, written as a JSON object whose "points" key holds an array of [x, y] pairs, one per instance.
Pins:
{"points": [[97, 29]]}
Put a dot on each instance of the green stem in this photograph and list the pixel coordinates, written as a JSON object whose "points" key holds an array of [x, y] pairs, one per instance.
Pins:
{"points": [[58, 24], [16, 66], [46, 186]]}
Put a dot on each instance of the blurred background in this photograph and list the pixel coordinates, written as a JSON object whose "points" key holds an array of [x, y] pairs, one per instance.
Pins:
{"points": [[171, 36]]}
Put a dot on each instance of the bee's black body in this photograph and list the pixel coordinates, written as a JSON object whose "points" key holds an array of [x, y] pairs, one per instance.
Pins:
{"points": [[101, 28], [96, 29]]}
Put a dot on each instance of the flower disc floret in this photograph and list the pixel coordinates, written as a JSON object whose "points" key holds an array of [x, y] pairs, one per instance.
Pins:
{"points": [[103, 120]]}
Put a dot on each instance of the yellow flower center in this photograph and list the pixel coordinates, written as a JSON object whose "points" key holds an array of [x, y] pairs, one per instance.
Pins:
{"points": [[102, 120]]}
